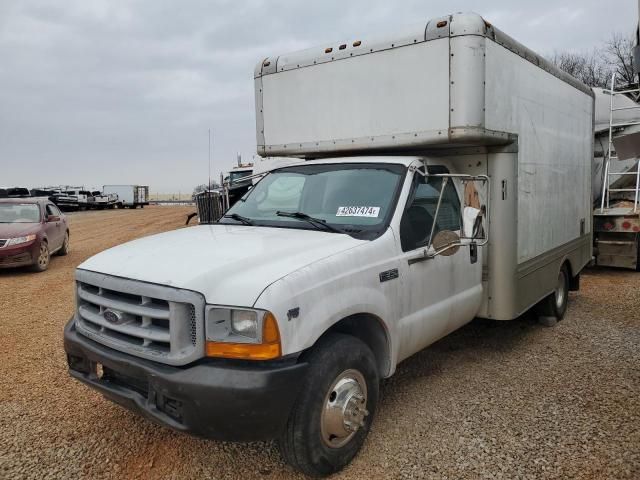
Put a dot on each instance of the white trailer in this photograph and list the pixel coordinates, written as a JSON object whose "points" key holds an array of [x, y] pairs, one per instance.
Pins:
{"points": [[447, 176], [130, 196]]}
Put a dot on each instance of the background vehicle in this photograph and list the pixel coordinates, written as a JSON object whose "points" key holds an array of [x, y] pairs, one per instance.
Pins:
{"points": [[104, 200], [130, 196], [237, 183], [14, 192], [31, 230], [83, 198], [446, 175]]}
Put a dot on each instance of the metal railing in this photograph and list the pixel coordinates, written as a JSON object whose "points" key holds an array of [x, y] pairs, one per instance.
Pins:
{"points": [[606, 190]]}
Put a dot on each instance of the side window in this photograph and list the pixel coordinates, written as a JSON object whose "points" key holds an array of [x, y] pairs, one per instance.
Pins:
{"points": [[53, 210], [419, 216]]}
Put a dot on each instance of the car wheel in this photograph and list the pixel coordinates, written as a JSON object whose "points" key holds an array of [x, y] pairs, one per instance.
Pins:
{"points": [[42, 262], [65, 245], [552, 308], [334, 411]]}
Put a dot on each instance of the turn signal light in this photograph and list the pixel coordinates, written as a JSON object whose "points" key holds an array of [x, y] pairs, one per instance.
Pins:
{"points": [[269, 349]]}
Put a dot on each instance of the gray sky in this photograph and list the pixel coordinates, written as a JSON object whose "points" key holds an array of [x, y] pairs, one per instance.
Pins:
{"points": [[103, 91]]}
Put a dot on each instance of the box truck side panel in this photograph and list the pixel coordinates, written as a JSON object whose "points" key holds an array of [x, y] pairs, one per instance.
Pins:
{"points": [[364, 100], [553, 121]]}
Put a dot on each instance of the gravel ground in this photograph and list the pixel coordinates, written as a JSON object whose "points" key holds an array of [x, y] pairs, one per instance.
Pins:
{"points": [[493, 400]]}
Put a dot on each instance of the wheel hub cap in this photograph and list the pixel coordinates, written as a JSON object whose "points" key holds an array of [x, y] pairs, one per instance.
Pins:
{"points": [[43, 255], [344, 409]]}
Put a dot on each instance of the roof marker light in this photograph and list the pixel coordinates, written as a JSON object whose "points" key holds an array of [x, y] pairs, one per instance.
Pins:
{"points": [[441, 24], [328, 50], [357, 43], [343, 46]]}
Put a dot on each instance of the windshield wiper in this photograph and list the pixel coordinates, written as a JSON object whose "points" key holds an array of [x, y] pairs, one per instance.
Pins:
{"points": [[239, 218], [318, 222]]}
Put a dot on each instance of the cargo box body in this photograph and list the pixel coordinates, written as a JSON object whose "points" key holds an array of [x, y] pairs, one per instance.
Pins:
{"points": [[457, 88]]}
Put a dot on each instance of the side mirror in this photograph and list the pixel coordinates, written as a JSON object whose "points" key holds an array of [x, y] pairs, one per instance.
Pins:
{"points": [[446, 243], [53, 218]]}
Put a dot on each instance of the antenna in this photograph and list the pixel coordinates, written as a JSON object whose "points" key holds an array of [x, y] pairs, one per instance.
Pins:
{"points": [[209, 162]]}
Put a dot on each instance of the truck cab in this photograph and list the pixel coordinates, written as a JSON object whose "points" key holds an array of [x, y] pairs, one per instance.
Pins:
{"points": [[314, 253]]}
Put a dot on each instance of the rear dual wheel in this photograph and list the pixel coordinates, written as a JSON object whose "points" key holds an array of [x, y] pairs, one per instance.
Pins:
{"points": [[553, 308], [335, 408]]}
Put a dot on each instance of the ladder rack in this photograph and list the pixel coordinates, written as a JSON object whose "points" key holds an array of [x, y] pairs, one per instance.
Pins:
{"points": [[606, 191]]}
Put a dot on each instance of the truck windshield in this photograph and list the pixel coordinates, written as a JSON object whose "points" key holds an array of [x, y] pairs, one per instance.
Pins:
{"points": [[355, 198], [235, 177], [19, 213]]}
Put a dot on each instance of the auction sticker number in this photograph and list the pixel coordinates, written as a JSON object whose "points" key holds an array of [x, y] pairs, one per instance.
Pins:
{"points": [[358, 212]]}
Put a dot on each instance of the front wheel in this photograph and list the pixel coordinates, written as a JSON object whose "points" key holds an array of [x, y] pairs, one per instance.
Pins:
{"points": [[42, 262], [552, 308], [65, 245], [334, 411]]}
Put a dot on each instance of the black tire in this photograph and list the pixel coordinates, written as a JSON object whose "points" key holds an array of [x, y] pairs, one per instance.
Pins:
{"points": [[304, 443], [553, 307], [65, 245], [42, 261]]}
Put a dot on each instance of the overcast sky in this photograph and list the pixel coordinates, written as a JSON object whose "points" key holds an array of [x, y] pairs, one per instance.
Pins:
{"points": [[103, 91]]}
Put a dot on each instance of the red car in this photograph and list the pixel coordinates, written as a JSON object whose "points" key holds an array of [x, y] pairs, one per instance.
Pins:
{"points": [[31, 230]]}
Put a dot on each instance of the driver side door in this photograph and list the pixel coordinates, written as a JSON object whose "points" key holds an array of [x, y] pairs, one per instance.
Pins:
{"points": [[442, 293]]}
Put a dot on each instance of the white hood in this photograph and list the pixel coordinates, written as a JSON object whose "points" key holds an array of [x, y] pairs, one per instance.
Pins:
{"points": [[228, 264]]}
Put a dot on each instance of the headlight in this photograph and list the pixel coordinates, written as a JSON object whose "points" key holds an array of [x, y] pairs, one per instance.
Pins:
{"points": [[241, 333], [244, 322], [19, 240]]}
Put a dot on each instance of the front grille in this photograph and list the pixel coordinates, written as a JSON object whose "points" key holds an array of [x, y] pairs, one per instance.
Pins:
{"points": [[3, 242], [150, 321], [209, 206], [20, 259]]}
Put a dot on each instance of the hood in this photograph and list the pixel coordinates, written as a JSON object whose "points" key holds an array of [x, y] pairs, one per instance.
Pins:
{"points": [[228, 264], [9, 230]]}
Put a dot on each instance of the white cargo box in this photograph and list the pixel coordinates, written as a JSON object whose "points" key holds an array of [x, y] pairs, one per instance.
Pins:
{"points": [[456, 80]]}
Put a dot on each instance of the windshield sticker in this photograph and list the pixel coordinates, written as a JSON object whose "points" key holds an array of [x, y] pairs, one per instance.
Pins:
{"points": [[358, 212]]}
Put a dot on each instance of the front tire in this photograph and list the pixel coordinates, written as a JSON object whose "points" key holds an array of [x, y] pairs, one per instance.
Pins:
{"points": [[65, 245], [42, 262], [334, 411], [553, 307]]}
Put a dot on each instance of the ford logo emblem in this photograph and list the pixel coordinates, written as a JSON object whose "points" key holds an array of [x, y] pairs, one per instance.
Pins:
{"points": [[113, 316]]}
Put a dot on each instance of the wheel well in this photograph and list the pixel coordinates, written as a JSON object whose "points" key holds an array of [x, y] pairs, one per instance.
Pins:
{"points": [[370, 329]]}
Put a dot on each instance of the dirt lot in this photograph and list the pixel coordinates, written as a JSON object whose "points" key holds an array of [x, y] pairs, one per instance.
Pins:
{"points": [[493, 400]]}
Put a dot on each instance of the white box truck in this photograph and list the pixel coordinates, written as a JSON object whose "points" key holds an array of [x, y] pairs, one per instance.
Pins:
{"points": [[447, 176], [131, 196]]}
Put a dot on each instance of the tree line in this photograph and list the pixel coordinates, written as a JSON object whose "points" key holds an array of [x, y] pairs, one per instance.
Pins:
{"points": [[596, 66]]}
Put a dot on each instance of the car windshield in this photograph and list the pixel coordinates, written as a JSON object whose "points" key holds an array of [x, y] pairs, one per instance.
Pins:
{"points": [[19, 213], [350, 197]]}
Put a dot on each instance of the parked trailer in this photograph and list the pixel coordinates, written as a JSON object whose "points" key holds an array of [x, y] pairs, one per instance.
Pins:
{"points": [[130, 196], [617, 185], [449, 177]]}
